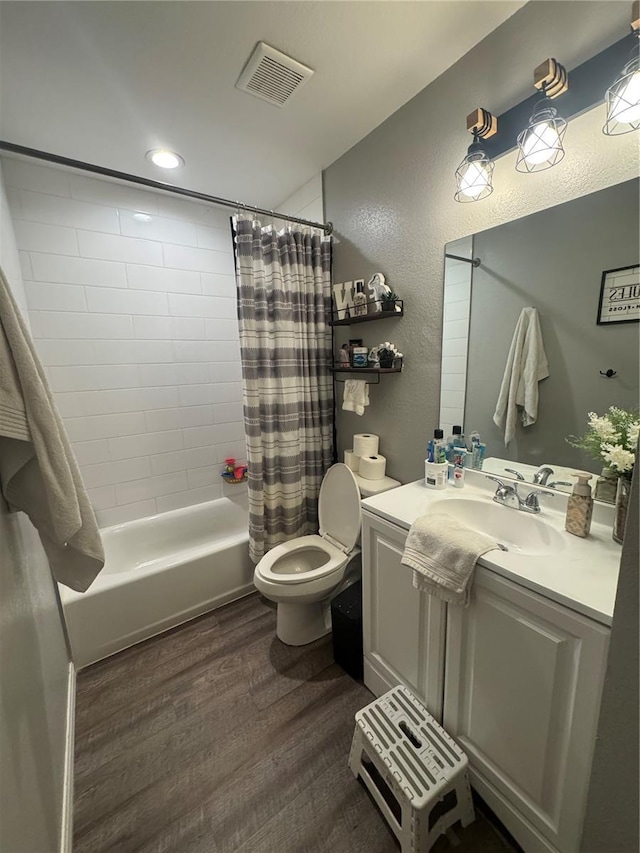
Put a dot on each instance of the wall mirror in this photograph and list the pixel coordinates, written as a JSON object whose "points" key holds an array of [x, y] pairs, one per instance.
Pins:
{"points": [[553, 261]]}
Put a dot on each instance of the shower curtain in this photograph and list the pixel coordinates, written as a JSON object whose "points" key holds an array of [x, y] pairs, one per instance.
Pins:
{"points": [[284, 304]]}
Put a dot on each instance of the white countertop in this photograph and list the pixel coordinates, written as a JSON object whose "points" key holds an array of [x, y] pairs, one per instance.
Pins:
{"points": [[583, 575]]}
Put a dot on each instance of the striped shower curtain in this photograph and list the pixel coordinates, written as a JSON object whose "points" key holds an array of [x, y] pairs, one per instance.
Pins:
{"points": [[284, 304]]}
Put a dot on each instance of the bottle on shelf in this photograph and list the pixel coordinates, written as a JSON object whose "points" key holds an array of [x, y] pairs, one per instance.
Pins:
{"points": [[360, 300]]}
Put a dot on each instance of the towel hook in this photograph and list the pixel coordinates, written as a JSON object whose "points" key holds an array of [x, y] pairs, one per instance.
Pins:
{"points": [[608, 373]]}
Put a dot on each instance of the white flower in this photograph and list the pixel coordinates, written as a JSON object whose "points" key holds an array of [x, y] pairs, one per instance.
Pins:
{"points": [[603, 427], [620, 459], [634, 431]]}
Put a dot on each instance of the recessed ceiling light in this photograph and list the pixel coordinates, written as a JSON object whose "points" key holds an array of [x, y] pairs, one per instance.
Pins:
{"points": [[164, 158]]}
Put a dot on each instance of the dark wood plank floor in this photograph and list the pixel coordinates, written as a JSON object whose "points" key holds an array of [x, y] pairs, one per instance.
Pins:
{"points": [[217, 738]]}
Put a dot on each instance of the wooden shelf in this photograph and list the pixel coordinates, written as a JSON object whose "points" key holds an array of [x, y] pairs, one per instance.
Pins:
{"points": [[366, 318], [365, 369]]}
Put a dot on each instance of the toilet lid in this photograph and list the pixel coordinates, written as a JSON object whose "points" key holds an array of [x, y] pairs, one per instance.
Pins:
{"points": [[339, 506]]}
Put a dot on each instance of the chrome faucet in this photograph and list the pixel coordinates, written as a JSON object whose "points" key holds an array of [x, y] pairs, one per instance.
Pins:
{"points": [[557, 483], [517, 473], [508, 495], [540, 477]]}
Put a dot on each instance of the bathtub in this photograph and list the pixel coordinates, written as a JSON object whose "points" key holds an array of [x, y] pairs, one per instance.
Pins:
{"points": [[160, 571]]}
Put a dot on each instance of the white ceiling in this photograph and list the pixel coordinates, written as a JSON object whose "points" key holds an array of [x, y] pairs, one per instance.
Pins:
{"points": [[106, 81]]}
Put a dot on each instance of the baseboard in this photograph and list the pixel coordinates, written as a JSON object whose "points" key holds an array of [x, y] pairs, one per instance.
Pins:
{"points": [[66, 834]]}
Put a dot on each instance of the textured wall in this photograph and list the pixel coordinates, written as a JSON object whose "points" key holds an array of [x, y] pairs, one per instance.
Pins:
{"points": [[391, 199], [131, 296], [34, 665]]}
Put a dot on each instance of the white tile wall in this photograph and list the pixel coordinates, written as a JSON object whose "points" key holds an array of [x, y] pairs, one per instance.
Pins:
{"points": [[134, 318], [455, 333]]}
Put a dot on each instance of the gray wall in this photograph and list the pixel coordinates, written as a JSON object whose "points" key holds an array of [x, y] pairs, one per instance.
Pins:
{"points": [[554, 261], [34, 665], [391, 199]]}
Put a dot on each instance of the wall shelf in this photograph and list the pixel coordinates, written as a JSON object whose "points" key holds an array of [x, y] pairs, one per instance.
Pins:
{"points": [[368, 370], [366, 318], [365, 369]]}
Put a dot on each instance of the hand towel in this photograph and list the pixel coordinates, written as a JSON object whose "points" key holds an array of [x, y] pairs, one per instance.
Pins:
{"points": [[38, 471], [356, 396], [442, 553], [526, 366]]}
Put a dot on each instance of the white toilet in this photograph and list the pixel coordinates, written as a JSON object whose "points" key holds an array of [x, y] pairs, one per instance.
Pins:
{"points": [[304, 574]]}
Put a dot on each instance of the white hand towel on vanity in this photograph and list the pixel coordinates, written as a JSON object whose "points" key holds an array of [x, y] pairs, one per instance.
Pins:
{"points": [[526, 366], [38, 471], [443, 553]]}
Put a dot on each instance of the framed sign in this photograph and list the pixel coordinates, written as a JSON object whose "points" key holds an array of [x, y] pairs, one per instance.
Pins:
{"points": [[620, 296]]}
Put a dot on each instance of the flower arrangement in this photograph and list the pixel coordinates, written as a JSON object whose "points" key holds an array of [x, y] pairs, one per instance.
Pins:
{"points": [[387, 353], [613, 438]]}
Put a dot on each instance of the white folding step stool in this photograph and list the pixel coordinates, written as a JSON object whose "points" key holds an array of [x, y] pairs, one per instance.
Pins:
{"points": [[424, 768]]}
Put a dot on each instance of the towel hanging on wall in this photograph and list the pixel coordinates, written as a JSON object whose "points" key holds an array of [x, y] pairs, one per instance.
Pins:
{"points": [[38, 471], [356, 396], [526, 367]]}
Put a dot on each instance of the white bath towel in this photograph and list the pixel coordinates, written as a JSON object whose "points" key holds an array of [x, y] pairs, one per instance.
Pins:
{"points": [[356, 396], [526, 367], [442, 553], [38, 471]]}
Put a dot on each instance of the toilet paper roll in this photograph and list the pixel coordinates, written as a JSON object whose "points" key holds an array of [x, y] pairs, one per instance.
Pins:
{"points": [[351, 460], [373, 467], [365, 444]]}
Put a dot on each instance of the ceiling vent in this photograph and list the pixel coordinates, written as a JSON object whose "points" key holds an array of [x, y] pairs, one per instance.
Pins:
{"points": [[272, 75]]}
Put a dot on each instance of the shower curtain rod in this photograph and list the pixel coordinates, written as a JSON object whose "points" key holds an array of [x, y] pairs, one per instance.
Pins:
{"points": [[11, 147]]}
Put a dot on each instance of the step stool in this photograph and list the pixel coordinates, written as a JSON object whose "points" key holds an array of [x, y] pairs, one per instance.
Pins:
{"points": [[425, 770]]}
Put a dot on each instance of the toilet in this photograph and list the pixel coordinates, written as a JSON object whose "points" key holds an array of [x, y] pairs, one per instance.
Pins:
{"points": [[304, 574]]}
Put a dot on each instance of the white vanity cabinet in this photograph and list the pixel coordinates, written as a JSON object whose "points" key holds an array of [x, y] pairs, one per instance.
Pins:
{"points": [[404, 631], [523, 680], [520, 677]]}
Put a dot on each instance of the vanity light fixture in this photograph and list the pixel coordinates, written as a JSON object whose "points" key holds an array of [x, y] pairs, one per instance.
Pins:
{"points": [[540, 143], [164, 158], [474, 176], [623, 97]]}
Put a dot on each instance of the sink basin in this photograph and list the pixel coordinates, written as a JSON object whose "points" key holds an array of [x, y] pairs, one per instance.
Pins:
{"points": [[518, 532]]}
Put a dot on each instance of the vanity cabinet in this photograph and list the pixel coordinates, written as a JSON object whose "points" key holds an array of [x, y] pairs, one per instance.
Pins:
{"points": [[404, 631], [523, 680], [518, 679]]}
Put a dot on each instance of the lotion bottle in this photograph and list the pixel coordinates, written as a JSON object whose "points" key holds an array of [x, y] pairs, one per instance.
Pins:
{"points": [[580, 506]]}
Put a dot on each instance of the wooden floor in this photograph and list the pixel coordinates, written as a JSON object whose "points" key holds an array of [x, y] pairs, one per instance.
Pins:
{"points": [[217, 738]]}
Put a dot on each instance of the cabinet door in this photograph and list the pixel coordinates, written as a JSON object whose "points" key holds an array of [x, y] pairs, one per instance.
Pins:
{"points": [[403, 628], [522, 695]]}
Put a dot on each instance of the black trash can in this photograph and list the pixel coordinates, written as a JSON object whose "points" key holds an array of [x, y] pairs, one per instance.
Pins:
{"points": [[346, 622]]}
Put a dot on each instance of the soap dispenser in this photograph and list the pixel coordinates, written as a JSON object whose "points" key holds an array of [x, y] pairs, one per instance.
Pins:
{"points": [[580, 506]]}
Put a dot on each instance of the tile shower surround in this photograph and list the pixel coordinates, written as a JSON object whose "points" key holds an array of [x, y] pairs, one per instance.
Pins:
{"points": [[131, 298]]}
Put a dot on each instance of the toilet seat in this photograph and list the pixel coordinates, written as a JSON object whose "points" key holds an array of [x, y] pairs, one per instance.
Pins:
{"points": [[340, 516], [268, 565]]}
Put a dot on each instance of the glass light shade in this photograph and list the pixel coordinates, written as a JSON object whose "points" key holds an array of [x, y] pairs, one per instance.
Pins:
{"points": [[474, 176], [540, 144], [623, 101]]}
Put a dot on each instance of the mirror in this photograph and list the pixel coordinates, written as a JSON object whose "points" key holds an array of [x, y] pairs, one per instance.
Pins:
{"points": [[553, 261]]}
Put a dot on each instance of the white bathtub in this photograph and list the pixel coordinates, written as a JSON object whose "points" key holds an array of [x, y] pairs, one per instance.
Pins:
{"points": [[160, 571]]}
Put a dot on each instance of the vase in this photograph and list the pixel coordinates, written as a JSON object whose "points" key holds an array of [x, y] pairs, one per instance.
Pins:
{"points": [[386, 362], [622, 504]]}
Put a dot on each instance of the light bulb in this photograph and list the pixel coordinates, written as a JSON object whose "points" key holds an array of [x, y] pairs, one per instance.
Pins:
{"points": [[164, 158], [625, 107], [540, 143], [475, 179]]}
